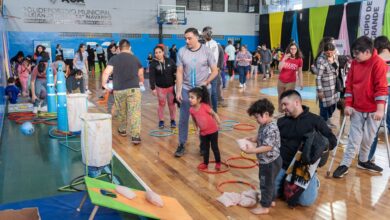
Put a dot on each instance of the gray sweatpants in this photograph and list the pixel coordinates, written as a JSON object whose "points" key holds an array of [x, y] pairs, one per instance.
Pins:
{"points": [[361, 133]]}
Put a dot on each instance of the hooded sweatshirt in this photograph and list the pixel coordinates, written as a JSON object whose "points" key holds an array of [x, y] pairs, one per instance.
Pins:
{"points": [[292, 131], [162, 74], [366, 84]]}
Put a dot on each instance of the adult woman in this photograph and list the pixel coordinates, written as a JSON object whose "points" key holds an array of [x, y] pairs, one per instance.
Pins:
{"points": [[40, 55], [80, 62], [290, 64], [162, 72], [327, 68], [243, 59], [59, 50]]}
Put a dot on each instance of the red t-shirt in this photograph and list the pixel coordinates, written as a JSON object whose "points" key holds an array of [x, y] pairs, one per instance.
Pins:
{"points": [[289, 70], [204, 120]]}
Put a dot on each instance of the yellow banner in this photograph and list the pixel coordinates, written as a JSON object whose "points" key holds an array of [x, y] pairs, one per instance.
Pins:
{"points": [[275, 28]]}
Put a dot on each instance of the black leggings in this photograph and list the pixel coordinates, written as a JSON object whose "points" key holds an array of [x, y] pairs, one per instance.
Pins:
{"points": [[205, 142], [230, 66]]}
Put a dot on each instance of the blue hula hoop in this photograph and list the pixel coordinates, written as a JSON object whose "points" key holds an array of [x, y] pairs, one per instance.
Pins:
{"points": [[160, 133]]}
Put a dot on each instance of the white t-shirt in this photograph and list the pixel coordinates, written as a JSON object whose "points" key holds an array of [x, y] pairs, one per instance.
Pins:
{"points": [[231, 51]]}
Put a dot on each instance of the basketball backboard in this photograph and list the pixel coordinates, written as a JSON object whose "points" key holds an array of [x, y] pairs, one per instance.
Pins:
{"points": [[171, 14]]}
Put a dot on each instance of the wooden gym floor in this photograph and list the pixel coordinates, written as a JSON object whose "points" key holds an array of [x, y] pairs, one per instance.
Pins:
{"points": [[359, 195]]}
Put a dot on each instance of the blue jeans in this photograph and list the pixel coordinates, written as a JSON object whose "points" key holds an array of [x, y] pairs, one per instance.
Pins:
{"points": [[223, 75], [374, 144], [242, 70], [184, 117], [308, 197], [214, 93], [326, 112]]}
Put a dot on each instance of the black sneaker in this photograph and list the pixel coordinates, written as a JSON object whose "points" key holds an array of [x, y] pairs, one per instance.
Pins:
{"points": [[161, 124], [370, 166], [122, 133], [136, 140], [180, 151], [173, 124], [340, 171]]}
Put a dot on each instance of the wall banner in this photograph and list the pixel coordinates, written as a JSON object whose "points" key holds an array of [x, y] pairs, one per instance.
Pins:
{"points": [[48, 15], [371, 18]]}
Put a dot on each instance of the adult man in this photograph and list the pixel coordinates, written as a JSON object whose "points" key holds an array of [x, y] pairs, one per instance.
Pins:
{"points": [[213, 45], [297, 122], [128, 74], [365, 97], [193, 64], [231, 51], [266, 59], [101, 57]]}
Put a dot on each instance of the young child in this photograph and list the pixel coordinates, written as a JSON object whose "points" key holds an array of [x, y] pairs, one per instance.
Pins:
{"points": [[75, 82], [267, 152], [365, 97], [12, 91], [205, 120], [24, 71]]}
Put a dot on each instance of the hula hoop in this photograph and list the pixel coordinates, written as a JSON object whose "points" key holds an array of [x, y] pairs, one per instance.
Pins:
{"points": [[244, 155], [191, 130], [244, 127], [219, 186], [216, 171], [241, 167], [160, 133], [55, 133], [225, 128], [229, 123]]}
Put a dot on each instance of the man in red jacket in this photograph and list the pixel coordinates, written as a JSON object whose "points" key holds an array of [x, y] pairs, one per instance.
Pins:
{"points": [[365, 97]]}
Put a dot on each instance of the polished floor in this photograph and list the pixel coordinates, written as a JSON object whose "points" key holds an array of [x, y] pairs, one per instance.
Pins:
{"points": [[360, 195], [34, 167]]}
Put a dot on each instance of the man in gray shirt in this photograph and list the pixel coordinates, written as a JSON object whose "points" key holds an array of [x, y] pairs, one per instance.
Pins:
{"points": [[266, 59], [193, 64]]}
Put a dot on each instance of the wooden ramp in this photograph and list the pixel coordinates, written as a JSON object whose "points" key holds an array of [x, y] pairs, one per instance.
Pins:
{"points": [[360, 195]]}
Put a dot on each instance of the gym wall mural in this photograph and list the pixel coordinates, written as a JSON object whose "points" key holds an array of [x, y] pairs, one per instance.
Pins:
{"points": [[370, 18]]}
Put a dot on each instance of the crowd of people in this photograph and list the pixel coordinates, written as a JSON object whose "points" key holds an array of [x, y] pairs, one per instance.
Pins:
{"points": [[193, 78]]}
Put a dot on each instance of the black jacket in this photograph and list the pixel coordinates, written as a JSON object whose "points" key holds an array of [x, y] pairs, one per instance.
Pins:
{"points": [[162, 75], [292, 131]]}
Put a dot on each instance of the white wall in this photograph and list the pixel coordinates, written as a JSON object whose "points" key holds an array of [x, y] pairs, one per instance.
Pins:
{"points": [[121, 16]]}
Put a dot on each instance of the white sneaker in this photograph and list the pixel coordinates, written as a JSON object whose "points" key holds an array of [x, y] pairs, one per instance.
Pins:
{"points": [[43, 109], [241, 85], [88, 92], [244, 85], [35, 109], [330, 124]]}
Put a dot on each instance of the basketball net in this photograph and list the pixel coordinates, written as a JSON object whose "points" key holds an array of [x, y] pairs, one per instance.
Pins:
{"points": [[174, 22]]}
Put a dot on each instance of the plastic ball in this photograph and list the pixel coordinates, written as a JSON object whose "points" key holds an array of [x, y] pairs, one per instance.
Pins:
{"points": [[27, 128], [110, 86]]}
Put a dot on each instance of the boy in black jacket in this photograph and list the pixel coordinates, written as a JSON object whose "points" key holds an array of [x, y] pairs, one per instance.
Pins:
{"points": [[297, 122]]}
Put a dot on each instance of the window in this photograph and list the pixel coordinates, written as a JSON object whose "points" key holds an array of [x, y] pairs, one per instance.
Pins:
{"points": [[219, 5], [203, 5], [251, 6], [193, 5]]}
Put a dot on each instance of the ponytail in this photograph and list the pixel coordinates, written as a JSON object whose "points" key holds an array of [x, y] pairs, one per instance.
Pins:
{"points": [[202, 93]]}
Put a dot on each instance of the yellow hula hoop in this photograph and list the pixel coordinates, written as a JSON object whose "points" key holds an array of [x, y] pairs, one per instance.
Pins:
{"points": [[244, 155]]}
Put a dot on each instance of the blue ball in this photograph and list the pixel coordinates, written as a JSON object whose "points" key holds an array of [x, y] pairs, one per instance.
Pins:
{"points": [[27, 128]]}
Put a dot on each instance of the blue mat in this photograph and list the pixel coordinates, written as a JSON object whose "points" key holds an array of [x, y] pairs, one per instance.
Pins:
{"points": [[64, 207], [308, 92]]}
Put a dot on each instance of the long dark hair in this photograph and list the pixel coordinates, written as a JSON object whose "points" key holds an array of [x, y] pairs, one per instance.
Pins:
{"points": [[202, 93], [79, 51], [298, 54]]}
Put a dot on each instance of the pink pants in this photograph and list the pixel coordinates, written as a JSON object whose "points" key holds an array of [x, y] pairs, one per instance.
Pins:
{"points": [[164, 94], [24, 82]]}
